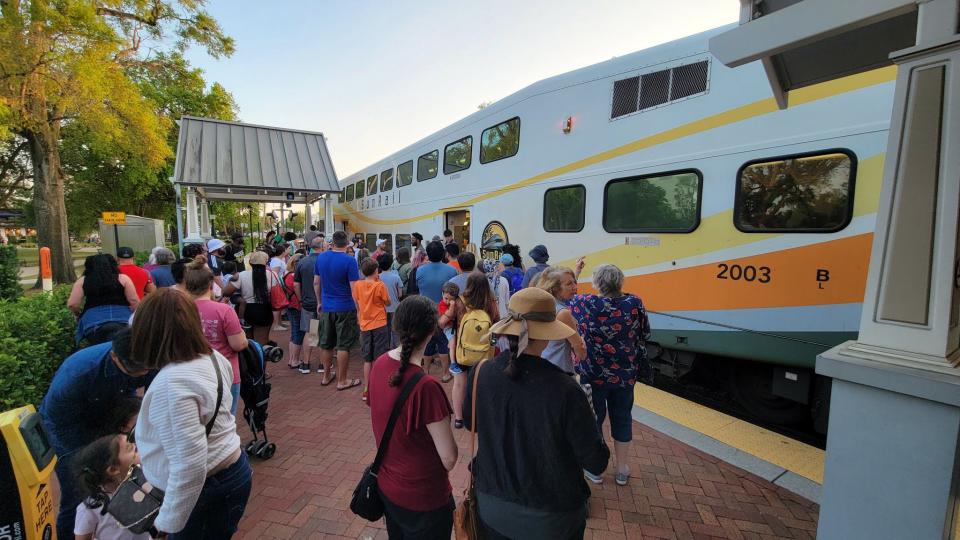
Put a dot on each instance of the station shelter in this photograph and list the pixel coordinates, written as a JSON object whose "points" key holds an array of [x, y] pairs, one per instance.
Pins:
{"points": [[232, 161]]}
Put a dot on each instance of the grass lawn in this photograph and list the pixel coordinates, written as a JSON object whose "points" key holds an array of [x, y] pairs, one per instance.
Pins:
{"points": [[31, 256]]}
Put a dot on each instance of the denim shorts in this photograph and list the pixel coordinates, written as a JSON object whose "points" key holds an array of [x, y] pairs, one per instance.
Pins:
{"points": [[437, 345], [619, 402], [296, 331]]}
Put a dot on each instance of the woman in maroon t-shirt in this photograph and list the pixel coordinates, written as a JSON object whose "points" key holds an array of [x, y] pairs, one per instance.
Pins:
{"points": [[413, 481]]}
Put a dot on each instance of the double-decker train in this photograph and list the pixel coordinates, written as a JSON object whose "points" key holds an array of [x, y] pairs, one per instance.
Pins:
{"points": [[746, 229]]}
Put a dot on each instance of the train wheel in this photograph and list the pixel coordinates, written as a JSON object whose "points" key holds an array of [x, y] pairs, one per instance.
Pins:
{"points": [[752, 385]]}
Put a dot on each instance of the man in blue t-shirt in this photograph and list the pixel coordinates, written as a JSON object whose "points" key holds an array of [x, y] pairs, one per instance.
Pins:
{"points": [[430, 280], [84, 391], [334, 274]]}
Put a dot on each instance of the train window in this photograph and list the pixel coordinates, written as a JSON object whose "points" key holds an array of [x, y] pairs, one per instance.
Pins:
{"points": [[799, 193], [360, 188], [457, 155], [427, 165], [403, 241], [500, 141], [370, 242], [405, 174], [386, 180], [564, 209], [372, 185], [665, 202], [349, 193]]}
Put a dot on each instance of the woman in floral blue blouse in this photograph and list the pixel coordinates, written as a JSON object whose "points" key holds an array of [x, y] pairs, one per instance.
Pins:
{"points": [[615, 327]]}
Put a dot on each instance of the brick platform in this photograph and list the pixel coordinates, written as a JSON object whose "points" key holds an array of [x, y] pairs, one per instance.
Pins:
{"points": [[324, 442]]}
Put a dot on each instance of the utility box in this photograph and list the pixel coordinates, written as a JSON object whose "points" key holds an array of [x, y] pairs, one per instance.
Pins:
{"points": [[139, 233]]}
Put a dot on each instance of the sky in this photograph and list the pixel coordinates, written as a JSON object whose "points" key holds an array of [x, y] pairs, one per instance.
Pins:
{"points": [[376, 76]]}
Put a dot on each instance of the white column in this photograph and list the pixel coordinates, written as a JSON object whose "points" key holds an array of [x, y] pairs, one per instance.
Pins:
{"points": [[307, 217], [193, 219], [892, 448], [205, 219], [328, 223]]}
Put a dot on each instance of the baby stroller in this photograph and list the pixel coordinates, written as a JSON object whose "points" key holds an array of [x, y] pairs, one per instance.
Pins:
{"points": [[255, 391]]}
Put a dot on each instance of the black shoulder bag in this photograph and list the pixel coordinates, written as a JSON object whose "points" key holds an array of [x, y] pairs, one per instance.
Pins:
{"points": [[136, 502], [366, 501]]}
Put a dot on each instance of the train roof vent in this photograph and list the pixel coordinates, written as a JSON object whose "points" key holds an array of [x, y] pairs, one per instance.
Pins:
{"points": [[659, 88], [625, 96], [688, 80]]}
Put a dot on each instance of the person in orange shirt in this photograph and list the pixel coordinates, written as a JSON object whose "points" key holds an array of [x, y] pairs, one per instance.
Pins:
{"points": [[372, 300], [453, 251]]}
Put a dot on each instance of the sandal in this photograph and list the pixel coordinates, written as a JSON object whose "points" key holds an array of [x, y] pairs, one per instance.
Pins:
{"points": [[446, 378], [458, 424], [328, 381], [350, 384]]}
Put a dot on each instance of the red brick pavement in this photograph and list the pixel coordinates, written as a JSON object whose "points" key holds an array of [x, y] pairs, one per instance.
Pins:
{"points": [[324, 442]]}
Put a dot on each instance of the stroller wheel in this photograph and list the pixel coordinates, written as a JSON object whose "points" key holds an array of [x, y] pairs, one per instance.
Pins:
{"points": [[267, 451], [249, 447], [255, 447]]}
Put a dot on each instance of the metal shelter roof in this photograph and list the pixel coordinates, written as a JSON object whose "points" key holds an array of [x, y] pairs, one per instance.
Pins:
{"points": [[244, 162]]}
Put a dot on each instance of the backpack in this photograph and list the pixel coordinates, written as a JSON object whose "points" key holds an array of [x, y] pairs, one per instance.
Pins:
{"points": [[515, 278], [473, 337]]}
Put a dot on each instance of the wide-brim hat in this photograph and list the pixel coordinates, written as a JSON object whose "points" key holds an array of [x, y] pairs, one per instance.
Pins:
{"points": [[259, 257], [532, 311]]}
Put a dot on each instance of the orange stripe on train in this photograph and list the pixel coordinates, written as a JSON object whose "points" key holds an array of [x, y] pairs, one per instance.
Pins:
{"points": [[833, 272]]}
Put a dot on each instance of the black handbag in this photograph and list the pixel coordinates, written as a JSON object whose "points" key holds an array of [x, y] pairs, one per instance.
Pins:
{"points": [[136, 502], [366, 501]]}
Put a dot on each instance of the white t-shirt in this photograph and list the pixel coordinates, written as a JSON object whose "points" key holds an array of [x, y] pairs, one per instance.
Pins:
{"points": [[102, 527], [278, 266], [246, 285]]}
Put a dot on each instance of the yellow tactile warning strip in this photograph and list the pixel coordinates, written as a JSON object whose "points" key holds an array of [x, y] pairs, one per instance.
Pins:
{"points": [[794, 456]]}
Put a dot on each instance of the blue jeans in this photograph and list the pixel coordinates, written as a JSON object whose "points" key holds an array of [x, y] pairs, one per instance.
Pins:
{"points": [[296, 331], [221, 504], [619, 401], [69, 497]]}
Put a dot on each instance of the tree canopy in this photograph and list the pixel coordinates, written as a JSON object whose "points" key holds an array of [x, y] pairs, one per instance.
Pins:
{"points": [[87, 86]]}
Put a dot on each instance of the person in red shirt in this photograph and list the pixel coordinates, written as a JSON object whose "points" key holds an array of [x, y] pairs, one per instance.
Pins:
{"points": [[140, 277], [413, 478]]}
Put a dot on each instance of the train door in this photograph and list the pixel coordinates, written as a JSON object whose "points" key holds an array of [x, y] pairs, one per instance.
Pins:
{"points": [[458, 221]]}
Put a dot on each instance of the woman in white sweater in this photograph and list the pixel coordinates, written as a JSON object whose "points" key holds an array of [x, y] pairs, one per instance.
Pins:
{"points": [[194, 458]]}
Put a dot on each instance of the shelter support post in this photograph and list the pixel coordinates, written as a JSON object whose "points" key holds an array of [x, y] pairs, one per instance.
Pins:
{"points": [[205, 231], [176, 190], [193, 219], [893, 446], [307, 217], [328, 225]]}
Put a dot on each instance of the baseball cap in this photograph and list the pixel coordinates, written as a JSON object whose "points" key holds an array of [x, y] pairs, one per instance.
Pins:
{"points": [[125, 253], [418, 236], [214, 244], [381, 241], [506, 259]]}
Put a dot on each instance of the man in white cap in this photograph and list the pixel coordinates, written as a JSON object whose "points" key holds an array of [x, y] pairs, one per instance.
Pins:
{"points": [[379, 251], [215, 255]]}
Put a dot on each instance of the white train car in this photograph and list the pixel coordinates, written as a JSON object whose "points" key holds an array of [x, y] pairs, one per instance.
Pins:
{"points": [[746, 229]]}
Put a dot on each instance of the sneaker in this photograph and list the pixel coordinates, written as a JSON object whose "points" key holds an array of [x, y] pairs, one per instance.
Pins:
{"points": [[622, 478], [305, 369], [320, 369], [458, 424], [364, 396], [592, 477]]}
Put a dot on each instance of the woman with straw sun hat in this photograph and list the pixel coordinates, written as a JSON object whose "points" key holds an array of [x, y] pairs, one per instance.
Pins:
{"points": [[536, 431]]}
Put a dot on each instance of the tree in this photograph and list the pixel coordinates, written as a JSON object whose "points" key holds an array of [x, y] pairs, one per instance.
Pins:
{"points": [[63, 66]]}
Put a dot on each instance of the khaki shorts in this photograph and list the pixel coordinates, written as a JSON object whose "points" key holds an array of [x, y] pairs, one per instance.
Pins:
{"points": [[338, 330]]}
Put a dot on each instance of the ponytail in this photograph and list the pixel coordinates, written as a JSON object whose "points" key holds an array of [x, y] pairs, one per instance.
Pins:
{"points": [[512, 371]]}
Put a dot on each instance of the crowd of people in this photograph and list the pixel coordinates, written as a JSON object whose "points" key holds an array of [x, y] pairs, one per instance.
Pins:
{"points": [[163, 343]]}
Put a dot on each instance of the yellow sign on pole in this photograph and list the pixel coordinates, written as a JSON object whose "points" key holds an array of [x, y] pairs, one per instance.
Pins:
{"points": [[115, 218]]}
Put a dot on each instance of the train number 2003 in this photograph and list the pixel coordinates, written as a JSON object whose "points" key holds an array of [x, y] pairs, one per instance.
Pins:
{"points": [[747, 272]]}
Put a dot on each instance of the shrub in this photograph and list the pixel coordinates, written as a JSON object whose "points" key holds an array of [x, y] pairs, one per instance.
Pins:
{"points": [[9, 273], [140, 258], [36, 335]]}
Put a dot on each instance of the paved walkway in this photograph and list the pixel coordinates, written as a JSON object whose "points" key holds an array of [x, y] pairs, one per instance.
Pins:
{"points": [[324, 442]]}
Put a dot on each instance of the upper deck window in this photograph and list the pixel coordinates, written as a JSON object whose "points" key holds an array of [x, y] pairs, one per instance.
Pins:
{"points": [[427, 165], [349, 193], [341, 195], [457, 155], [799, 193], [500, 141], [360, 188], [386, 180], [372, 185], [405, 174]]}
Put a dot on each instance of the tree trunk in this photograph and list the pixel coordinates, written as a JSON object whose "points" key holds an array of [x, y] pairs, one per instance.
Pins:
{"points": [[48, 201]]}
